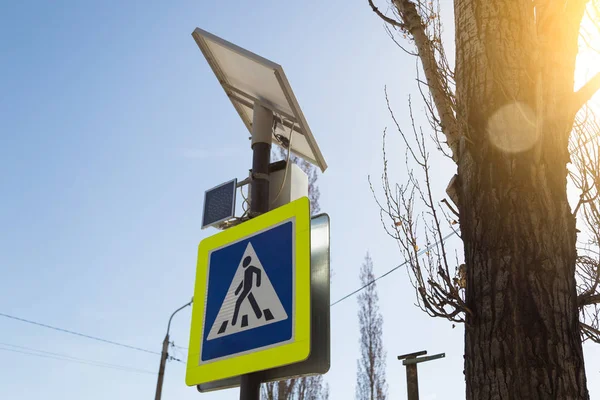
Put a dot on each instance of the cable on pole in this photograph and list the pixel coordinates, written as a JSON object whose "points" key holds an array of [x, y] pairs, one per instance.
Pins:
{"points": [[419, 254], [63, 357], [78, 334]]}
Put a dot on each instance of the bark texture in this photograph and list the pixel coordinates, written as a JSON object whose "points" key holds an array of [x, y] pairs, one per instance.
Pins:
{"points": [[514, 95]]}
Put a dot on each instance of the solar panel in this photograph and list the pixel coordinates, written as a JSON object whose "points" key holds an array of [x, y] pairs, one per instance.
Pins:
{"points": [[248, 78], [219, 204]]}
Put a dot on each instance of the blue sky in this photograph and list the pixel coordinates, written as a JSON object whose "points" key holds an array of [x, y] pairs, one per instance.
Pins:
{"points": [[112, 126]]}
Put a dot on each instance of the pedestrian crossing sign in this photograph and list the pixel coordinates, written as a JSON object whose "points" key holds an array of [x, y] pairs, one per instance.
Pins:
{"points": [[251, 308]]}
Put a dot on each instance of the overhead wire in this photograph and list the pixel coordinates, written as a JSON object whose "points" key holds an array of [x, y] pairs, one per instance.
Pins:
{"points": [[63, 357], [178, 353], [172, 358], [79, 334], [419, 254]]}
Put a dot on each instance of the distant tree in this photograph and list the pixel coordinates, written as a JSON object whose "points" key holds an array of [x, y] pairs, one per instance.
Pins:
{"points": [[305, 388], [370, 377], [311, 387]]}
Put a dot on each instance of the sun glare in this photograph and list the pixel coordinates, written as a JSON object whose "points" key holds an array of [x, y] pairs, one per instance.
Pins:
{"points": [[512, 128], [588, 59]]}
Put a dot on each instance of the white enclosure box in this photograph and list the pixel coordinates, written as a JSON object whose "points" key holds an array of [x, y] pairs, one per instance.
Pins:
{"points": [[294, 187]]}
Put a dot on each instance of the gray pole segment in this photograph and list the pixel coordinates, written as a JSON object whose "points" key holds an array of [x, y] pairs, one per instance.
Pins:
{"points": [[410, 361], [412, 382], [250, 386], [262, 126], [165, 354], [161, 370]]}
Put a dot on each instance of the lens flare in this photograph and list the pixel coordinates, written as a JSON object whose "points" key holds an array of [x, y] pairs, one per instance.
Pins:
{"points": [[512, 128]]}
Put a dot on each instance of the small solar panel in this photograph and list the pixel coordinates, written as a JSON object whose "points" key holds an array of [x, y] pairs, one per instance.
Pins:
{"points": [[219, 204]]}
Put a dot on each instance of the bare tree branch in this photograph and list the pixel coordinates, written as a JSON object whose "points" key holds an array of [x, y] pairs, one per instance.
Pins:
{"points": [[587, 300], [587, 91], [383, 17], [590, 333], [433, 72], [391, 35], [584, 174], [439, 291]]}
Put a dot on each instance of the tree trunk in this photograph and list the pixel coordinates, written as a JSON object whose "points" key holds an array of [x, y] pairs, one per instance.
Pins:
{"points": [[514, 77]]}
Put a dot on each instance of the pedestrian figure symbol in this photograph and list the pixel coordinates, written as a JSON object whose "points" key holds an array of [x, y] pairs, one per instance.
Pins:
{"points": [[251, 300], [246, 288]]}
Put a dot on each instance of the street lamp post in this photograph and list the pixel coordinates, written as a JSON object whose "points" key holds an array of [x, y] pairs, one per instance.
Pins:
{"points": [[165, 354]]}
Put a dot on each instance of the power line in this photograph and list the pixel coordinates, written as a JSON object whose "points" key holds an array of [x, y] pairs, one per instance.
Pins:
{"points": [[63, 357], [171, 358], [78, 334], [419, 253], [178, 353]]}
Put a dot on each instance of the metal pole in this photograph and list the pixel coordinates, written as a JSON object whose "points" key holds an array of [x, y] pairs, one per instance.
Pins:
{"points": [[250, 386], [410, 361], [412, 382], [262, 126], [161, 370], [164, 355]]}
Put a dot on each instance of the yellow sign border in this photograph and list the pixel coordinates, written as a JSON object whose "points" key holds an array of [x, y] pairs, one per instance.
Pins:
{"points": [[288, 353]]}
